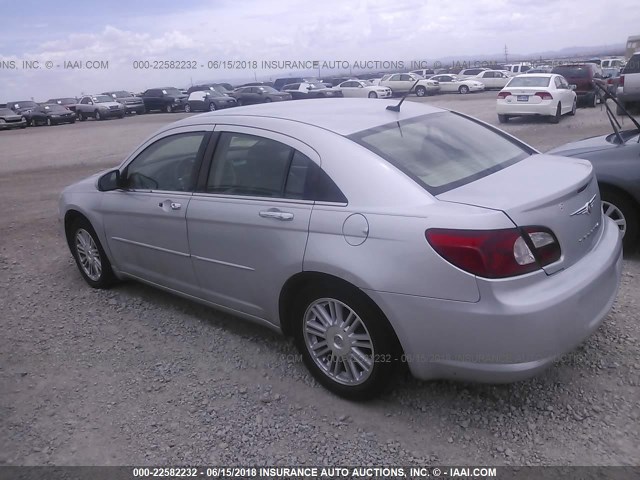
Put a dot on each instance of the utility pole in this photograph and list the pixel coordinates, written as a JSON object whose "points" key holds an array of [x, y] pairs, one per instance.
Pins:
{"points": [[506, 54]]}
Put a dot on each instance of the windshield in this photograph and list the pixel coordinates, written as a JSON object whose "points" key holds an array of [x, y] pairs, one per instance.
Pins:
{"points": [[63, 101], [529, 82], [24, 104], [55, 108], [442, 151], [268, 90], [172, 91], [121, 94], [315, 86], [102, 99], [573, 72]]}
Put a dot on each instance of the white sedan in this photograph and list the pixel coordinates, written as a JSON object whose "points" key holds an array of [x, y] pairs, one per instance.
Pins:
{"points": [[453, 83], [404, 82], [493, 78], [361, 88], [542, 94]]}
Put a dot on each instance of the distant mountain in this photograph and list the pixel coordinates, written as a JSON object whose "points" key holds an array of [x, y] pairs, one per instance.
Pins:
{"points": [[568, 52]]}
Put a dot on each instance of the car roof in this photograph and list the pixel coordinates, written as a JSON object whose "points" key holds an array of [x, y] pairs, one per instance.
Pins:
{"points": [[343, 116]]}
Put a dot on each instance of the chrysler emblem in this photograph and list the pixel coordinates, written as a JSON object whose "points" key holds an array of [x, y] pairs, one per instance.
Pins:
{"points": [[586, 208]]}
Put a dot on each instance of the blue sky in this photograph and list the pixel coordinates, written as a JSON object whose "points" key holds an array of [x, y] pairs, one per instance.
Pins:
{"points": [[121, 32]]}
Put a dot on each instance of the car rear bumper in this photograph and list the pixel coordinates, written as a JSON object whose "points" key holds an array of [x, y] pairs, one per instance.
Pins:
{"points": [[628, 96], [546, 107], [517, 328]]}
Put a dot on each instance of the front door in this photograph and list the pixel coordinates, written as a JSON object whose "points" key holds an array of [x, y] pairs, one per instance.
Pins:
{"points": [[145, 223]]}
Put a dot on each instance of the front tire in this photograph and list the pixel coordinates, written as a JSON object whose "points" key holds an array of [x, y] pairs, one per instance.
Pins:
{"points": [[187, 108], [463, 89], [372, 95], [168, 109], [621, 209], [593, 100], [503, 118], [97, 115], [345, 341], [421, 91], [89, 255]]}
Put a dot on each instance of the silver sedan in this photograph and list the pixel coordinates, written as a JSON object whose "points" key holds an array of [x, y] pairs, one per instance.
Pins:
{"points": [[372, 236]]}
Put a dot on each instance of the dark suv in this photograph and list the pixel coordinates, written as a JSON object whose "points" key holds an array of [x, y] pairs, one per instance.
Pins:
{"points": [[167, 99], [583, 76]]}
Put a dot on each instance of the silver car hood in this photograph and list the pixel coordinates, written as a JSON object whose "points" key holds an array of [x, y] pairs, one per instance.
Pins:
{"points": [[529, 196]]}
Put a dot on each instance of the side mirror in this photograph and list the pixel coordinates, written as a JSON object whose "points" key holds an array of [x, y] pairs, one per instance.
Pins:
{"points": [[260, 92], [110, 181], [572, 87]]}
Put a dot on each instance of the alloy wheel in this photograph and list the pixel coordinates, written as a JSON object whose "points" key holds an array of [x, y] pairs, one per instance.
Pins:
{"points": [[338, 341], [615, 214], [88, 255]]}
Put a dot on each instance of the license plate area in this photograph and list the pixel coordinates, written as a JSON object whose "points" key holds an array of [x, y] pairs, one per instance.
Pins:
{"points": [[523, 98]]}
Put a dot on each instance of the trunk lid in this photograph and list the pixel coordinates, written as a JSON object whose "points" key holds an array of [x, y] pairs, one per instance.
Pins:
{"points": [[558, 193]]}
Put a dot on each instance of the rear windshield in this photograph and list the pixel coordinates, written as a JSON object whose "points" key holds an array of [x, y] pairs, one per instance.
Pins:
{"points": [[529, 82], [573, 72], [442, 151], [633, 66]]}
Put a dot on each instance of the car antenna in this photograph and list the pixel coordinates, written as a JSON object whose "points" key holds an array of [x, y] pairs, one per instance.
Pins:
{"points": [[396, 108]]}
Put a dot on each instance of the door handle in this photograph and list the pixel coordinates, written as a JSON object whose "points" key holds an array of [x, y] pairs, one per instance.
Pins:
{"points": [[277, 214], [170, 204]]}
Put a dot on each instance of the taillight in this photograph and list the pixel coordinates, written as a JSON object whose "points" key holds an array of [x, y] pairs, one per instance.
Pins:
{"points": [[496, 253], [544, 95], [503, 95], [621, 82]]}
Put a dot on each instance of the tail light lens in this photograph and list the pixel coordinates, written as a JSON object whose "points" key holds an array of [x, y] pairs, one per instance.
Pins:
{"points": [[621, 82], [503, 95], [544, 95], [496, 253]]}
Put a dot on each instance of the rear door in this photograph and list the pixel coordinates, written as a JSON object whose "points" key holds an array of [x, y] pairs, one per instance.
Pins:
{"points": [[248, 222]]}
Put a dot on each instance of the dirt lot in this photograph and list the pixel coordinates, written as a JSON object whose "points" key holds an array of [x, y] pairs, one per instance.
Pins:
{"points": [[136, 376]]}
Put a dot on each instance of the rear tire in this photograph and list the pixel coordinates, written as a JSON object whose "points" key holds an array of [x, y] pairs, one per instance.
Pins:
{"points": [[619, 110], [574, 108], [503, 118], [89, 255], [621, 209], [49, 123], [556, 118], [337, 365], [593, 100]]}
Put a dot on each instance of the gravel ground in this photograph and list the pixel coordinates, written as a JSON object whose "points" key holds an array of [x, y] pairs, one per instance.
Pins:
{"points": [[136, 376]]}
